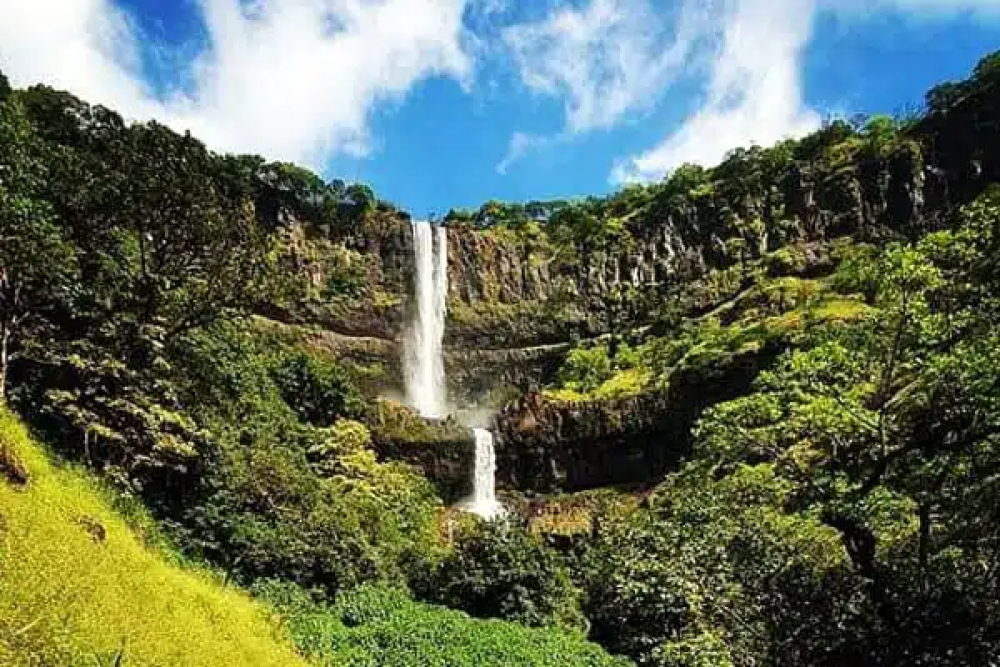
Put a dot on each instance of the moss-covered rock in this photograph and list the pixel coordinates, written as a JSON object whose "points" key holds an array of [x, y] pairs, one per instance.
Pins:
{"points": [[442, 450]]}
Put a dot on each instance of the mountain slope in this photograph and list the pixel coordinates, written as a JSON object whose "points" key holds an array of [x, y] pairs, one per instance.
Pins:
{"points": [[78, 586]]}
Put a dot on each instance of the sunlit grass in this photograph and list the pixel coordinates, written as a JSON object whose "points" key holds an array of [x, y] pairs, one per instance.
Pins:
{"points": [[78, 587]]}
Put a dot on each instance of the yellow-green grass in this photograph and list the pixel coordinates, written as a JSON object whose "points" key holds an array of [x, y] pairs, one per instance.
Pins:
{"points": [[78, 586]]}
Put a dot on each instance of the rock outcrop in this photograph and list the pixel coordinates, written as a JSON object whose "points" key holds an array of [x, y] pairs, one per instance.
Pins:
{"points": [[442, 450], [550, 446]]}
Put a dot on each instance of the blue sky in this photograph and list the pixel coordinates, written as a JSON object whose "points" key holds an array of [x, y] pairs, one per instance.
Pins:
{"points": [[449, 103]]}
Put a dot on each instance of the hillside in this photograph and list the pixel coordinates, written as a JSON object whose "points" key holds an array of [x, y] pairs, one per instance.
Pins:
{"points": [[83, 584], [79, 585]]}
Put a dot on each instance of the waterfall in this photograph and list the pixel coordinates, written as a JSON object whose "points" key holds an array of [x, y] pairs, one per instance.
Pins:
{"points": [[484, 500], [425, 381], [426, 388]]}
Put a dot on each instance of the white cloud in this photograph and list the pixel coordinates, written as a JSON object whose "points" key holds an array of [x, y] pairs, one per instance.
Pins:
{"points": [[84, 45], [519, 145], [606, 59], [754, 94], [291, 80]]}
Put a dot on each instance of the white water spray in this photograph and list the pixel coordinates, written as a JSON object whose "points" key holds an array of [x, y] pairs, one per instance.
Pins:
{"points": [[425, 380], [426, 388]]}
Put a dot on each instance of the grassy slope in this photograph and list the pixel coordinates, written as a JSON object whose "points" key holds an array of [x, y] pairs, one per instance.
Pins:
{"points": [[67, 598]]}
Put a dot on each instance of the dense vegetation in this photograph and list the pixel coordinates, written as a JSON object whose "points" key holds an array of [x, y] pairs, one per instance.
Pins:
{"points": [[832, 373], [376, 626], [82, 585]]}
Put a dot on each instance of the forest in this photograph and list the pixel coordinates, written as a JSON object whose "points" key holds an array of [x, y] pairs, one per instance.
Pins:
{"points": [[747, 415]]}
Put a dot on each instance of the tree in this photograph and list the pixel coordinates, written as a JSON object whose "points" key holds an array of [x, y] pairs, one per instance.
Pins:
{"points": [[5, 88], [499, 570], [889, 432], [361, 199], [37, 264], [620, 303], [585, 369], [184, 253], [319, 392]]}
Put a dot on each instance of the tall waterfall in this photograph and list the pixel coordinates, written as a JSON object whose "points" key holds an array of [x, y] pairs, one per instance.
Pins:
{"points": [[426, 388], [425, 382]]}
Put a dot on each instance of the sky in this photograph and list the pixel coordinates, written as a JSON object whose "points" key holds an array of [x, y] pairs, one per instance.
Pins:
{"points": [[439, 104]]}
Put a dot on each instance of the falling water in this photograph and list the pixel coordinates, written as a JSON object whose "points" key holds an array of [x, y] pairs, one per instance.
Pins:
{"points": [[484, 501], [425, 381], [426, 388]]}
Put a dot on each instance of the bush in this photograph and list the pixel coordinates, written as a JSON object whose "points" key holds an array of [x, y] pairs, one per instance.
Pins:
{"points": [[318, 391], [499, 570], [585, 369], [280, 498]]}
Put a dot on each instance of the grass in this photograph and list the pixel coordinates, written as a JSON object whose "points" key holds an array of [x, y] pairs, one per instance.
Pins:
{"points": [[79, 587], [374, 627]]}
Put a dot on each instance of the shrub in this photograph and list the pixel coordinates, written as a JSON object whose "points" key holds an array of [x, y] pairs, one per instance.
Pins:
{"points": [[499, 570], [318, 391], [585, 369]]}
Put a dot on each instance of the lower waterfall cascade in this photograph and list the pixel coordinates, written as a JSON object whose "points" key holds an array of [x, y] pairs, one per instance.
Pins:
{"points": [[484, 500], [426, 385]]}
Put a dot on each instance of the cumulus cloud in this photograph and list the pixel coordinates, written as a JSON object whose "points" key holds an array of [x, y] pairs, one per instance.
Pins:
{"points": [[754, 93], [605, 59], [292, 80], [86, 46]]}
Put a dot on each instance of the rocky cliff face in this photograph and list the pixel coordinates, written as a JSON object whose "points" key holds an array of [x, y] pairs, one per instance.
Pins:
{"points": [[517, 300], [899, 194], [548, 446], [510, 289]]}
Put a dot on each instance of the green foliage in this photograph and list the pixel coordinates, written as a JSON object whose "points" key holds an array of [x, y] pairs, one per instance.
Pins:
{"points": [[585, 369], [499, 570], [878, 432], [37, 263], [588, 373], [378, 626], [283, 497], [704, 578], [943, 97], [78, 583], [839, 507], [318, 391]]}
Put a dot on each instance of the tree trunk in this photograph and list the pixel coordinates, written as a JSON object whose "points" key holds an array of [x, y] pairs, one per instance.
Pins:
{"points": [[860, 544], [4, 360]]}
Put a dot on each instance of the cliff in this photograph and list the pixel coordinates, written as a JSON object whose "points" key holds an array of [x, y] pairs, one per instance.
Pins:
{"points": [[525, 288]]}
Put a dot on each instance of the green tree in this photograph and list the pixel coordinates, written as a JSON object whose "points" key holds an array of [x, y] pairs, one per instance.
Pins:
{"points": [[189, 254], [585, 369], [499, 570], [37, 263], [318, 391]]}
